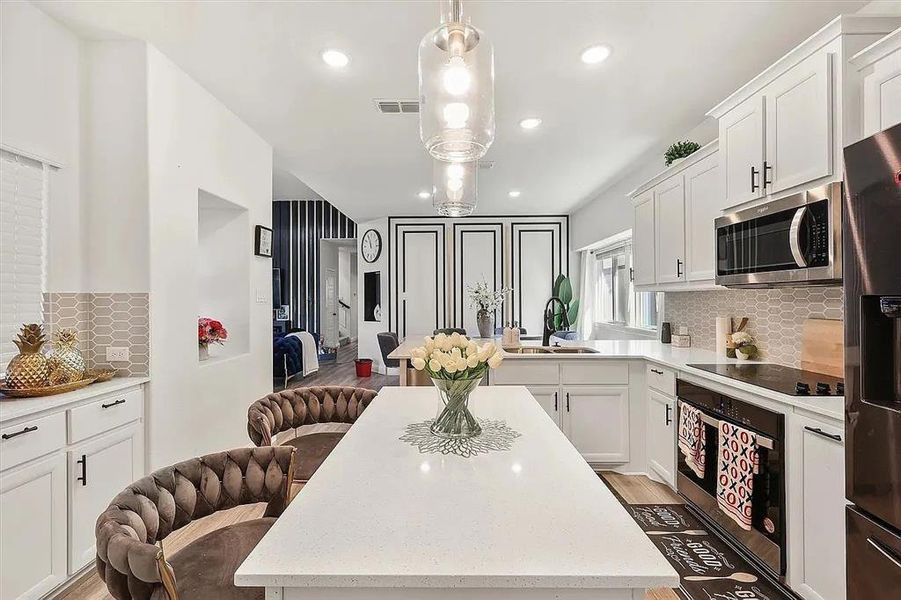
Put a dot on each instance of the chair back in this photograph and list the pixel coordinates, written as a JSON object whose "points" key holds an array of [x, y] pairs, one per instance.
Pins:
{"points": [[388, 343]]}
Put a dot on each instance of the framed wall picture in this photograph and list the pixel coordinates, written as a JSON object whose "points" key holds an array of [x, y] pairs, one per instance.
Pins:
{"points": [[262, 241]]}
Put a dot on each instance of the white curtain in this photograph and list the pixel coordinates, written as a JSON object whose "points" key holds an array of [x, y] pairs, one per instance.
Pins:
{"points": [[587, 285]]}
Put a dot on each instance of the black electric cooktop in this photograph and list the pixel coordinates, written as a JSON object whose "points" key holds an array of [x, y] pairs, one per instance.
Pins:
{"points": [[779, 378]]}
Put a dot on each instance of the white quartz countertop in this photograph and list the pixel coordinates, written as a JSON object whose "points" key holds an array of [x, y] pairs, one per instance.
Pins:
{"points": [[672, 357], [378, 513], [14, 408]]}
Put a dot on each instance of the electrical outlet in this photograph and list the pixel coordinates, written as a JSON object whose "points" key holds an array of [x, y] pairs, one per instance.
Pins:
{"points": [[114, 354]]}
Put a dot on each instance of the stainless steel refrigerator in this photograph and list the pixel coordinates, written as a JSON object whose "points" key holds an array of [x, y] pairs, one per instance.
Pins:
{"points": [[871, 232]]}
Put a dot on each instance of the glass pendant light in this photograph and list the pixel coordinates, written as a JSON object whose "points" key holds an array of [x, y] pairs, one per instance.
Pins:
{"points": [[454, 193], [456, 88]]}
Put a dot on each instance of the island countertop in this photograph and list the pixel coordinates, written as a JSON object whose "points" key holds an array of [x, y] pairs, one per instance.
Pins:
{"points": [[380, 514]]}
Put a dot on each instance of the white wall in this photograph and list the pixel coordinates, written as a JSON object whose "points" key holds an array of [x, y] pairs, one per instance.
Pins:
{"points": [[367, 330], [40, 101], [882, 7], [195, 143]]}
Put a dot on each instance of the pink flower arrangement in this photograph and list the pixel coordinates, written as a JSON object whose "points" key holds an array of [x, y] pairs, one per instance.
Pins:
{"points": [[210, 331]]}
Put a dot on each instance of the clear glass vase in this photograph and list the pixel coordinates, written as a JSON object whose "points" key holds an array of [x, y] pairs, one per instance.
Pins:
{"points": [[454, 419]]}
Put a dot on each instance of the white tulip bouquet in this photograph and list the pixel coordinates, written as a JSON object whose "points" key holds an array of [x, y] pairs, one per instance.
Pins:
{"points": [[456, 365]]}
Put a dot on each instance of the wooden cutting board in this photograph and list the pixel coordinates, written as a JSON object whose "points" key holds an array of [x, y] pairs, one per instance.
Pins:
{"points": [[823, 347]]}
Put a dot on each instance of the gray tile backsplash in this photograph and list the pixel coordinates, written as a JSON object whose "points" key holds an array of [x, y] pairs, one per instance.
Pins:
{"points": [[103, 320], [776, 316]]}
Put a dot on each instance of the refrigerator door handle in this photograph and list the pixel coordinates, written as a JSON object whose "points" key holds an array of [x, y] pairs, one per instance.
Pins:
{"points": [[884, 552]]}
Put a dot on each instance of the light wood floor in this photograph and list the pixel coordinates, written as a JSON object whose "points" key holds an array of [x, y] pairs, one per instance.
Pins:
{"points": [[342, 371], [635, 489]]}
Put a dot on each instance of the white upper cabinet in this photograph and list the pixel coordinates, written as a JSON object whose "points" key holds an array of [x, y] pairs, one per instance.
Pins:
{"points": [[643, 240], [703, 201], [879, 66], [670, 225], [741, 151], [799, 125]]}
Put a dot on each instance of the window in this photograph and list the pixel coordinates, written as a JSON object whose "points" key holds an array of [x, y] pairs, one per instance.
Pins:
{"points": [[616, 301], [23, 191]]}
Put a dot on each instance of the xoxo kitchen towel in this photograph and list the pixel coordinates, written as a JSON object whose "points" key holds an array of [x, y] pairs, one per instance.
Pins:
{"points": [[692, 440], [737, 465]]}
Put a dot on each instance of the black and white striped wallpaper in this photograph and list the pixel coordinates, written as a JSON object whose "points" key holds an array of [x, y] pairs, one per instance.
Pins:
{"points": [[297, 227]]}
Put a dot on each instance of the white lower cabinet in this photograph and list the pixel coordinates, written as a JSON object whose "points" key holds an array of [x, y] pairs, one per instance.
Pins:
{"points": [[548, 397], [98, 470], [33, 528], [816, 498], [596, 421], [660, 437]]}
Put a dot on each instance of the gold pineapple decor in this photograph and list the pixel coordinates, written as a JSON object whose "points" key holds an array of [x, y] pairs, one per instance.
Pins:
{"points": [[66, 361], [30, 368]]}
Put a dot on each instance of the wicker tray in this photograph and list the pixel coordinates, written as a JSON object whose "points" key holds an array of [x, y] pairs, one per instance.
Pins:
{"points": [[100, 375], [46, 391]]}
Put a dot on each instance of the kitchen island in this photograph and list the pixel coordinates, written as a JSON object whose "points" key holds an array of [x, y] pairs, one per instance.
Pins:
{"points": [[380, 519]]}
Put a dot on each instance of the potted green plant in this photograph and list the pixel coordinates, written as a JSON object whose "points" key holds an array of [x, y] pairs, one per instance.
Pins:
{"points": [[678, 151]]}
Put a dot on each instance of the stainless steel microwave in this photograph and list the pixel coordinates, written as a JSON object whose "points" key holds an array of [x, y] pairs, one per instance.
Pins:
{"points": [[793, 241]]}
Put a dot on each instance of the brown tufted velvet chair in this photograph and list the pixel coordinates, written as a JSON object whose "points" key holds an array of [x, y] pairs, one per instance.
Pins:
{"points": [[291, 408], [148, 510]]}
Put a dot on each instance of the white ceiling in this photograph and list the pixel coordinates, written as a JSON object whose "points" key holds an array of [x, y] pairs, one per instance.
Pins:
{"points": [[671, 62]]}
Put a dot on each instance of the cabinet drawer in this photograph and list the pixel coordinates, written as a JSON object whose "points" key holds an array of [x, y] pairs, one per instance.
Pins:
{"points": [[661, 379], [594, 372], [527, 371], [31, 439], [104, 414]]}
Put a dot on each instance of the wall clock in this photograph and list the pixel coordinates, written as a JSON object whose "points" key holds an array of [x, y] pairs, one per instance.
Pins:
{"points": [[371, 247]]}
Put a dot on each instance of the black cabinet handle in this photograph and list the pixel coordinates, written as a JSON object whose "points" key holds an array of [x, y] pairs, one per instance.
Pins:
{"points": [[9, 436], [117, 402], [678, 267], [656, 371], [754, 173], [567, 401], [631, 274], [818, 431], [83, 461], [669, 409], [555, 401], [767, 167]]}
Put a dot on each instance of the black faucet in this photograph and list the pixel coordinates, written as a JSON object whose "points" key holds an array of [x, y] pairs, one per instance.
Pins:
{"points": [[549, 319]]}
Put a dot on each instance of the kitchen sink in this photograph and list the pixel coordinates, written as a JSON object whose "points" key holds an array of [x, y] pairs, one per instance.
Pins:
{"points": [[572, 350], [528, 350], [550, 350]]}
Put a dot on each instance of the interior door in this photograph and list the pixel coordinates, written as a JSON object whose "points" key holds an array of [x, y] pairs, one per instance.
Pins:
{"points": [[596, 421], [799, 125], [643, 240], [741, 151], [670, 226], [99, 470], [330, 310], [661, 437], [703, 204], [548, 396], [33, 528], [420, 283], [478, 256], [538, 256]]}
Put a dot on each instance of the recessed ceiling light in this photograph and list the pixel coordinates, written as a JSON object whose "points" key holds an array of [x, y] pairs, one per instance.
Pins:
{"points": [[424, 195], [530, 123], [335, 58], [595, 54], [514, 193]]}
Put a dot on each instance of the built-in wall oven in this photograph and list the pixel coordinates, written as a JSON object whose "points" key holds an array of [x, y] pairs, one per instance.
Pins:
{"points": [[765, 542], [796, 240]]}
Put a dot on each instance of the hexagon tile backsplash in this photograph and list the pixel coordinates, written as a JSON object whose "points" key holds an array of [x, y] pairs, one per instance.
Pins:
{"points": [[776, 316], [104, 320]]}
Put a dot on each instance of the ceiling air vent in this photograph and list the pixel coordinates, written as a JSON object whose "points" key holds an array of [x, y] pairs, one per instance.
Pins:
{"points": [[395, 107]]}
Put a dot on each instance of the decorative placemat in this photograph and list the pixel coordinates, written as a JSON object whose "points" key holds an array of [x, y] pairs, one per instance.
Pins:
{"points": [[496, 436]]}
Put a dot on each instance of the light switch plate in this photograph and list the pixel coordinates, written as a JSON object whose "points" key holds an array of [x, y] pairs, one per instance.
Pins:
{"points": [[114, 354]]}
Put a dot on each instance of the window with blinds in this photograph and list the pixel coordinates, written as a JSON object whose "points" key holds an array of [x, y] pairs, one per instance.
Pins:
{"points": [[616, 301], [23, 196]]}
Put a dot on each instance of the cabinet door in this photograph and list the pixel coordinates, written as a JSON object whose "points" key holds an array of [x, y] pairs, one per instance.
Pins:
{"points": [[643, 240], [882, 94], [817, 497], [670, 226], [661, 437], [98, 470], [596, 421], [741, 151], [548, 396], [33, 528], [799, 125], [703, 203]]}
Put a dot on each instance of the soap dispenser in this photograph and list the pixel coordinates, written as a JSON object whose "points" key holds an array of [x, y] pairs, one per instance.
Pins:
{"points": [[507, 339], [515, 334]]}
